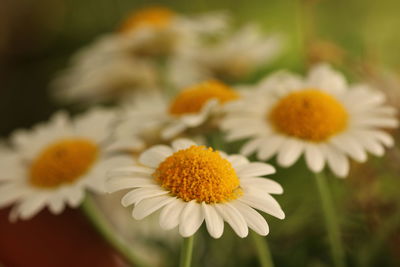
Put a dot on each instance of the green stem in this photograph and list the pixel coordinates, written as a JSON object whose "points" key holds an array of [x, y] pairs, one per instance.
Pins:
{"points": [[99, 222], [331, 222], [264, 254], [186, 252]]}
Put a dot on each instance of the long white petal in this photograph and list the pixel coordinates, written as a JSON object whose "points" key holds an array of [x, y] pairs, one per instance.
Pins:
{"points": [[214, 222], [155, 155], [170, 214], [253, 219], [289, 152], [120, 183], [314, 157], [255, 169], [137, 195], [267, 185], [191, 218], [266, 203], [234, 218], [150, 205]]}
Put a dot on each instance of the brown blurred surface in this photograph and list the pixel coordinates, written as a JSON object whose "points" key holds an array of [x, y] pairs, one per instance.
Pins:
{"points": [[48, 241]]}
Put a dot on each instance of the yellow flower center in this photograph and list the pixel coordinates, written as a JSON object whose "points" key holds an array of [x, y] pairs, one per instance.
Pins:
{"points": [[156, 17], [63, 162], [193, 99], [199, 173], [310, 114]]}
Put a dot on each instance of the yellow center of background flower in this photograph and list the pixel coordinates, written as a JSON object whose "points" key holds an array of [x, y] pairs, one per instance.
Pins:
{"points": [[63, 162], [309, 114], [155, 17], [192, 99], [199, 173]]}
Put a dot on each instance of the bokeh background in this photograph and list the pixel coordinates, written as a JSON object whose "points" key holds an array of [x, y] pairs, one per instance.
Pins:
{"points": [[360, 37]]}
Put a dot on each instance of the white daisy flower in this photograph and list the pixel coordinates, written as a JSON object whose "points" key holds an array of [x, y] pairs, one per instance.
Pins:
{"points": [[53, 164], [192, 108], [191, 184], [123, 62], [233, 57], [320, 116]]}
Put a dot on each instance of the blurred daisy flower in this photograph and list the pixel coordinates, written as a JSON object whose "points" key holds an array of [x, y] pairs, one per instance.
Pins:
{"points": [[192, 108], [320, 116], [192, 184], [231, 58], [53, 164], [132, 58]]}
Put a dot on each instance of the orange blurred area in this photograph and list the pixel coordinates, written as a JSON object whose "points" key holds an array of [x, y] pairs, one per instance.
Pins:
{"points": [[48, 240]]}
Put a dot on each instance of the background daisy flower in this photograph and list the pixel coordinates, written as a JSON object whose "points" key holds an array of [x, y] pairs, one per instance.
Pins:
{"points": [[320, 116], [234, 57], [54, 163], [191, 184], [188, 110]]}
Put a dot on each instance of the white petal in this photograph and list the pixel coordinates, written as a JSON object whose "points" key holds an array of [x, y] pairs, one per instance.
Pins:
{"points": [[269, 147], [119, 183], [182, 143], [267, 185], [150, 205], [289, 152], [31, 206], [155, 155], [214, 222], [251, 146], [266, 203], [137, 195], [234, 218], [255, 169], [75, 196], [124, 171], [173, 130], [170, 214], [237, 160], [191, 219], [350, 146], [314, 157], [253, 219], [10, 193], [337, 161], [56, 204]]}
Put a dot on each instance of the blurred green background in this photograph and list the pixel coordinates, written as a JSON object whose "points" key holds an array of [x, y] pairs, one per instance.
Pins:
{"points": [[360, 37]]}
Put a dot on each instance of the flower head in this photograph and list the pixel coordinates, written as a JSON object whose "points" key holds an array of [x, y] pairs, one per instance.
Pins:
{"points": [[54, 163], [320, 116], [192, 184]]}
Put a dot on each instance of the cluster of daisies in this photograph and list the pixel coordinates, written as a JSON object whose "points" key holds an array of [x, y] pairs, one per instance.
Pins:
{"points": [[169, 78]]}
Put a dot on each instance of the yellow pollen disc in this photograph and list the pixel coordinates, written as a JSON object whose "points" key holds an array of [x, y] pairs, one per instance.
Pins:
{"points": [[199, 173], [192, 99], [309, 114], [156, 17], [63, 162]]}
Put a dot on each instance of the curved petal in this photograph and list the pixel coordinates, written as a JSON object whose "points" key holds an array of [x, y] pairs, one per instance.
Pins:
{"points": [[290, 152], [253, 219], [267, 185], [251, 146], [137, 195], [182, 143], [191, 219], [155, 155], [170, 215], [234, 218], [120, 183], [214, 222], [270, 146], [337, 161], [150, 205], [255, 169], [314, 157], [265, 203]]}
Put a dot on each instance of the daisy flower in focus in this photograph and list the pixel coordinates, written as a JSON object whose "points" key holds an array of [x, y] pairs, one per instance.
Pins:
{"points": [[191, 184], [320, 116], [232, 57], [128, 60], [190, 109], [54, 163]]}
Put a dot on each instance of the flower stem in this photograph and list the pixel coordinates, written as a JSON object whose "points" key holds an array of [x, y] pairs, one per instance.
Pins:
{"points": [[186, 252], [99, 222], [331, 222], [264, 254]]}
